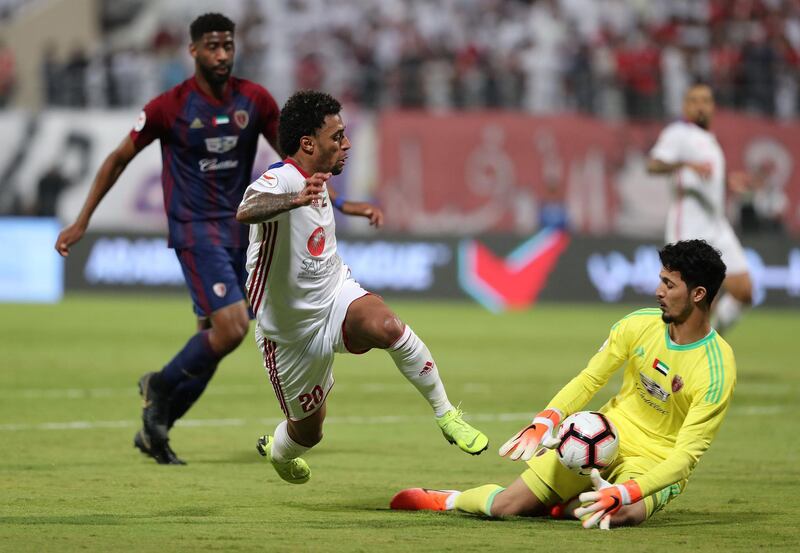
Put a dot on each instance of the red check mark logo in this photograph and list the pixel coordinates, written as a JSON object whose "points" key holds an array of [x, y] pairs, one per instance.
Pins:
{"points": [[515, 281]]}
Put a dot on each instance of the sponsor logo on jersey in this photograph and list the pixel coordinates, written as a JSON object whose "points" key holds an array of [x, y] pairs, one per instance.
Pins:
{"points": [[677, 384], [660, 366], [653, 388], [314, 269], [639, 351], [196, 124], [241, 117], [650, 402], [220, 289], [220, 120], [316, 242], [221, 144], [214, 164], [140, 121]]}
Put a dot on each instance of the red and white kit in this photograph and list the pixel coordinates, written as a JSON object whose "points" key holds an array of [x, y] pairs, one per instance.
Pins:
{"points": [[299, 290], [698, 208]]}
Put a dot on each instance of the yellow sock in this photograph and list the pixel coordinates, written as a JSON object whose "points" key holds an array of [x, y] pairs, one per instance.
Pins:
{"points": [[478, 500]]}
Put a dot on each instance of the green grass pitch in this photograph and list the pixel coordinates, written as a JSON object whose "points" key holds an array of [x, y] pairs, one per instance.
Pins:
{"points": [[70, 479]]}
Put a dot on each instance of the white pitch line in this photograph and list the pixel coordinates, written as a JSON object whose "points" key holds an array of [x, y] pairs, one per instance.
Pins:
{"points": [[521, 417], [249, 390], [225, 390]]}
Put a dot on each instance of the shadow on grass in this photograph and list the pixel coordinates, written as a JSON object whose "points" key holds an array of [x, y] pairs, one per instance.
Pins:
{"points": [[171, 516], [706, 518], [251, 456], [385, 517]]}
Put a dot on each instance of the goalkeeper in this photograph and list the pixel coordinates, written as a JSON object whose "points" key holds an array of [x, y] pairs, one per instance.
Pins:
{"points": [[676, 388]]}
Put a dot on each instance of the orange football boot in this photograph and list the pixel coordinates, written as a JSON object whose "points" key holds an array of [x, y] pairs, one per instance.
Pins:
{"points": [[420, 499]]}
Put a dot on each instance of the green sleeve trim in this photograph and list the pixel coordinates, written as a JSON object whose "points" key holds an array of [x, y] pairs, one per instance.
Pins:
{"points": [[716, 373]]}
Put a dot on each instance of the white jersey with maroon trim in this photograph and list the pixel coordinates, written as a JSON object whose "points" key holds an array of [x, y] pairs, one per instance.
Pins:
{"points": [[698, 210], [698, 201], [294, 270]]}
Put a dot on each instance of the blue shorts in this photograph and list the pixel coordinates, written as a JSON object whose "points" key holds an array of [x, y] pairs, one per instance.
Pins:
{"points": [[215, 276]]}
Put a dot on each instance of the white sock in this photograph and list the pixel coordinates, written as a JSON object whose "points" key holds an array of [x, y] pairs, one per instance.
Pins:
{"points": [[450, 502], [284, 448], [728, 311], [416, 363]]}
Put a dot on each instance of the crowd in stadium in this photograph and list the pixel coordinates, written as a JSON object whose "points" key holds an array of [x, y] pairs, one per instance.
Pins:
{"points": [[611, 58]]}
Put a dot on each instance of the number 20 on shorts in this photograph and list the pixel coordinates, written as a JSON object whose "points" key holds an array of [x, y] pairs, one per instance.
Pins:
{"points": [[311, 400]]}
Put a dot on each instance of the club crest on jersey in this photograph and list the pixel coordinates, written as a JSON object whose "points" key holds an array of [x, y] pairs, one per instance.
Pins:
{"points": [[140, 121], [653, 388], [316, 242], [241, 117], [220, 289], [221, 144], [677, 384]]}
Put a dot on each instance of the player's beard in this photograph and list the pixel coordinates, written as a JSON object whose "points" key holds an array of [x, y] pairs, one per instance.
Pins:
{"points": [[702, 120], [214, 78], [680, 317]]}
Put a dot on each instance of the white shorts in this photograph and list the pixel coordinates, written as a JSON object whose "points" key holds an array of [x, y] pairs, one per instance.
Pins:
{"points": [[301, 372], [687, 224]]}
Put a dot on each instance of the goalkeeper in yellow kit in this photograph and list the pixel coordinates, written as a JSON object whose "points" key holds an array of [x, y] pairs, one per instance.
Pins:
{"points": [[677, 386]]}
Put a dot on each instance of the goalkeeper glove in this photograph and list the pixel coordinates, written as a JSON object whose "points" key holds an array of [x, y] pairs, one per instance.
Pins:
{"points": [[606, 500], [528, 440]]}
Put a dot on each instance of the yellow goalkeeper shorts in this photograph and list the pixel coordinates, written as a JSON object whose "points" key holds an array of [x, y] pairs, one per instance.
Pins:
{"points": [[553, 483]]}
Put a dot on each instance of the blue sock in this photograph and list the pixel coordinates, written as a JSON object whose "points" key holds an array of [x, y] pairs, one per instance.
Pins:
{"points": [[186, 394], [194, 360]]}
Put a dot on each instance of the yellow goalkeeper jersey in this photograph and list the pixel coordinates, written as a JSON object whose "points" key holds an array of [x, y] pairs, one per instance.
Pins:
{"points": [[673, 397]]}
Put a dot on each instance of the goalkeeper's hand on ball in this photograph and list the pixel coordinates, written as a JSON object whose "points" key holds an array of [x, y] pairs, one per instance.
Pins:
{"points": [[606, 499], [540, 433]]}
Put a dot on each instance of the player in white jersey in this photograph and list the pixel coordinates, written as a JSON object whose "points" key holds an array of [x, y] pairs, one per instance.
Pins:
{"points": [[689, 152], [307, 305]]}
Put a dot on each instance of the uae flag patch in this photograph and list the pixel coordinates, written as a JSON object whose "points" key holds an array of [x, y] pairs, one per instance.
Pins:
{"points": [[221, 120], [660, 366]]}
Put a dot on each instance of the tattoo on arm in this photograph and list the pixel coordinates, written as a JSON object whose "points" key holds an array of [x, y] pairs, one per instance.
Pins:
{"points": [[258, 207]]}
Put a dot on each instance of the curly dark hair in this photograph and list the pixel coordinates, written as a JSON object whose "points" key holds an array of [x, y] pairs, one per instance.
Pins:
{"points": [[303, 114], [699, 264], [208, 23]]}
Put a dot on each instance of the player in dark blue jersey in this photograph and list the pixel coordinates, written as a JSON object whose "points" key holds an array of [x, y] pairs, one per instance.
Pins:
{"points": [[208, 127]]}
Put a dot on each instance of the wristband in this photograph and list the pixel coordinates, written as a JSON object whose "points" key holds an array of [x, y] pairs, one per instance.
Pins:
{"points": [[338, 203]]}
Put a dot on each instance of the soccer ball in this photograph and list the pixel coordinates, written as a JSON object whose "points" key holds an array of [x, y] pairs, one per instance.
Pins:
{"points": [[587, 440]]}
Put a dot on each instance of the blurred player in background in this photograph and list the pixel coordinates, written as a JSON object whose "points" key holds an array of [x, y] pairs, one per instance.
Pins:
{"points": [[676, 389], [208, 127], [687, 150], [307, 305]]}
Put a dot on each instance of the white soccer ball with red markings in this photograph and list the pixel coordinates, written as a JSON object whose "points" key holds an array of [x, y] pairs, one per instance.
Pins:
{"points": [[587, 440]]}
